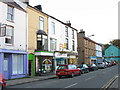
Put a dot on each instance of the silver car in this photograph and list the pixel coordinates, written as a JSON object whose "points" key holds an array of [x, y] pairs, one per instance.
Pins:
{"points": [[101, 65]]}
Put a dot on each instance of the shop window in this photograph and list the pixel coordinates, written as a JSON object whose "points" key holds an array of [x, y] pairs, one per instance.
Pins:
{"points": [[17, 64]]}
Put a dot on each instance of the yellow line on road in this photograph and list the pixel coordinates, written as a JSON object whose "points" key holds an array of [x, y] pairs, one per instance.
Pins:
{"points": [[109, 83]]}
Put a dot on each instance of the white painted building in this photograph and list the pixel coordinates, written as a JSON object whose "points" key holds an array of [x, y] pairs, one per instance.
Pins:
{"points": [[62, 40], [98, 52], [13, 39]]}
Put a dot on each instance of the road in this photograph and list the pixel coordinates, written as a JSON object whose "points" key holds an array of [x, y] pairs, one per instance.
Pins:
{"points": [[93, 79]]}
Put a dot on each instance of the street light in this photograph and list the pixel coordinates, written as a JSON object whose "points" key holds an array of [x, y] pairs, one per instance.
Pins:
{"points": [[88, 36]]}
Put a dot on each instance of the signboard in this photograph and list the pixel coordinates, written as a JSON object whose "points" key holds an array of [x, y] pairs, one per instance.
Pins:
{"points": [[60, 55]]}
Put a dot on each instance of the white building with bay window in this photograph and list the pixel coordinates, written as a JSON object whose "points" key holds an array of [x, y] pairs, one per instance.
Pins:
{"points": [[13, 39], [62, 41]]}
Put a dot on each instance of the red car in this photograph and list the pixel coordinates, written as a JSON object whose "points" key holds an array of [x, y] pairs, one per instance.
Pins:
{"points": [[67, 70], [2, 82]]}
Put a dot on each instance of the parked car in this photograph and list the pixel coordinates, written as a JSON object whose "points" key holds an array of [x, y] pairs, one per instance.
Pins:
{"points": [[92, 67], [67, 70], [113, 63], [107, 64], [2, 82], [101, 65], [84, 68]]}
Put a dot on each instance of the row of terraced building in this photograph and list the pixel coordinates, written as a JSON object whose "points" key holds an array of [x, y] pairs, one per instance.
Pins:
{"points": [[31, 39]]}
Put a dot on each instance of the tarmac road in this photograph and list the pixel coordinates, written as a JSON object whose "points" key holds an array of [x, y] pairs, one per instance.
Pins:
{"points": [[93, 79]]}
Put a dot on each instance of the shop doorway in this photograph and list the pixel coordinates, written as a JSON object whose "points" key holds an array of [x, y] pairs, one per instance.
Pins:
{"points": [[30, 67]]}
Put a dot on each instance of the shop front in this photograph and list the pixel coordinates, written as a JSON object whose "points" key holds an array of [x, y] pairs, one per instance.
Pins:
{"points": [[13, 63], [93, 60], [43, 61], [72, 58], [59, 59]]}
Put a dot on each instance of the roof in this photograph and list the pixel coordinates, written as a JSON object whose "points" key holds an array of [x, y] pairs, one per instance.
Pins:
{"points": [[13, 4], [92, 41], [52, 17]]}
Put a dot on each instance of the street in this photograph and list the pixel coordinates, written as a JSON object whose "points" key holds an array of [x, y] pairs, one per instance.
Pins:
{"points": [[93, 79]]}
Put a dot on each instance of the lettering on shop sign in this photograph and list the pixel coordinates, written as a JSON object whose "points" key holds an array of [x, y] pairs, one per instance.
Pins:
{"points": [[60, 55]]}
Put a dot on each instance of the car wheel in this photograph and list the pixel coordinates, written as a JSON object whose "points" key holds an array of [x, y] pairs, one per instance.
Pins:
{"points": [[0, 86], [87, 71], [82, 72], [79, 73], [72, 75], [59, 77]]}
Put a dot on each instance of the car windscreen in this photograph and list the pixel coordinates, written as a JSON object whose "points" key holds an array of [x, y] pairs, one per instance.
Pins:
{"points": [[81, 66], [62, 67]]}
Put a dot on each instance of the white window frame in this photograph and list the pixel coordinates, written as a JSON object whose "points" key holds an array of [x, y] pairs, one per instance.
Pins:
{"points": [[52, 28], [10, 13], [41, 23]]}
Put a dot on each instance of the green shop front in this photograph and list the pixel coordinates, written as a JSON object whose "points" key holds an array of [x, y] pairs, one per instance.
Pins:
{"points": [[31, 64]]}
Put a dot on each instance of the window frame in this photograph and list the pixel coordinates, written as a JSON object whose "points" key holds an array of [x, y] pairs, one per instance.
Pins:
{"points": [[41, 23], [10, 13], [53, 27]]}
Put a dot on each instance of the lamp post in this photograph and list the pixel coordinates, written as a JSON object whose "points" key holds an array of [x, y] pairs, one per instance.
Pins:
{"points": [[88, 36]]}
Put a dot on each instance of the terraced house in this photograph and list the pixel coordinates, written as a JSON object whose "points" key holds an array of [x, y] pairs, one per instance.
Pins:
{"points": [[13, 39], [89, 51], [62, 41], [37, 39]]}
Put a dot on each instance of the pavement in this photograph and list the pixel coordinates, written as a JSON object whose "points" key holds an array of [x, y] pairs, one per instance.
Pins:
{"points": [[29, 79]]}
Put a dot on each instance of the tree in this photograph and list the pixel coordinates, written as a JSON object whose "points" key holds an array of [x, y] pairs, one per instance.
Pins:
{"points": [[116, 42]]}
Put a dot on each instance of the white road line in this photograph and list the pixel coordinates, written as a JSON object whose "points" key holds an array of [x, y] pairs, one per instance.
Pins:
{"points": [[89, 78], [71, 85]]}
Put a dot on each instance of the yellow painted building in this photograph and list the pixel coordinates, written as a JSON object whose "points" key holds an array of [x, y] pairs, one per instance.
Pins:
{"points": [[33, 27]]}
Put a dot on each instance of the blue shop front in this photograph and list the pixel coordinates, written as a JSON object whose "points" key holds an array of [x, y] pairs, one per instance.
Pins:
{"points": [[13, 63]]}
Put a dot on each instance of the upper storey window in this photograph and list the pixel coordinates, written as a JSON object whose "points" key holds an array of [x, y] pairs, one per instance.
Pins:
{"points": [[10, 13]]}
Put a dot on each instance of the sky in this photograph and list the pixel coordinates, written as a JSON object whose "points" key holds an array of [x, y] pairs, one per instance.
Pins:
{"points": [[98, 17]]}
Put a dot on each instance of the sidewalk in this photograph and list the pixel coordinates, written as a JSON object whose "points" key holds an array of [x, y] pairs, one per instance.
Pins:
{"points": [[30, 79]]}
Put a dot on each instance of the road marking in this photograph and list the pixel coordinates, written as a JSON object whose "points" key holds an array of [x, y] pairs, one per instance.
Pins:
{"points": [[89, 78], [71, 85], [106, 86]]}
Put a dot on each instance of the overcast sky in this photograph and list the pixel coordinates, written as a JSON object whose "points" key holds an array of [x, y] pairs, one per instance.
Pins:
{"points": [[98, 17]]}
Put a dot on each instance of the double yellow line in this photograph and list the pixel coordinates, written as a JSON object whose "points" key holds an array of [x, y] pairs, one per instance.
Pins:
{"points": [[106, 86]]}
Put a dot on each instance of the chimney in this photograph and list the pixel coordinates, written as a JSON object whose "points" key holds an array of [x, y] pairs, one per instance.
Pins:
{"points": [[82, 33], [25, 1], [39, 7], [68, 23]]}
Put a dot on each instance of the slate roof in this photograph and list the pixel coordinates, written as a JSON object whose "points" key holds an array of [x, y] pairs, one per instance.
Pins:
{"points": [[12, 3]]}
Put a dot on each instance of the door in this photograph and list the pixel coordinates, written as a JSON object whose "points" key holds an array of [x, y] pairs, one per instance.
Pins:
{"points": [[5, 66], [30, 68]]}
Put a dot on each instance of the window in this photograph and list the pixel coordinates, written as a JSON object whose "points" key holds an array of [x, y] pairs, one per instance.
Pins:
{"points": [[7, 32], [10, 11], [73, 45], [66, 43], [52, 44], [52, 28], [72, 34], [66, 31], [42, 42], [17, 64], [41, 22], [9, 35]]}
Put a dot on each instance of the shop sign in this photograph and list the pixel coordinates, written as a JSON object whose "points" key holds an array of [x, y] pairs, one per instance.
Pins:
{"points": [[60, 55]]}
